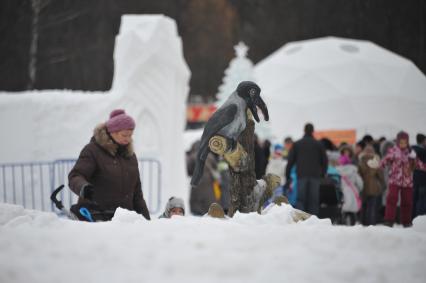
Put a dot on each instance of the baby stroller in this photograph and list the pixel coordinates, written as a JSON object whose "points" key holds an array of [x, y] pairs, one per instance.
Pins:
{"points": [[331, 198]]}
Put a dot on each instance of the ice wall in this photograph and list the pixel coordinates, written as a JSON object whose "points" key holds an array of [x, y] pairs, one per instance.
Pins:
{"points": [[151, 82]]}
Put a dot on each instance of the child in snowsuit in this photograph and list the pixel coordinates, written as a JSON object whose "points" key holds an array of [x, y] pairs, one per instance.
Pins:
{"points": [[175, 206], [374, 185], [402, 162], [352, 185]]}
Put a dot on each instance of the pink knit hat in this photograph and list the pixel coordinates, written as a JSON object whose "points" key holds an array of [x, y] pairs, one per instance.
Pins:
{"points": [[119, 121], [402, 136]]}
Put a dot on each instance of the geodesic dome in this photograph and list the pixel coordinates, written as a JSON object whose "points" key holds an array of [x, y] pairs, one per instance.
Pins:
{"points": [[338, 83]]}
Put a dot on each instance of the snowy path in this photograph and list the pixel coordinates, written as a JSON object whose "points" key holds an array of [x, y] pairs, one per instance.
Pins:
{"points": [[40, 247]]}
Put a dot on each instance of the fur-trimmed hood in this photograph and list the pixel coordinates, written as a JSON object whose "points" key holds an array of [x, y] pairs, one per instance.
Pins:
{"points": [[102, 138]]}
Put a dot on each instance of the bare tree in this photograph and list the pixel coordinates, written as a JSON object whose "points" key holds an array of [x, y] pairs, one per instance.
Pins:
{"points": [[37, 6]]}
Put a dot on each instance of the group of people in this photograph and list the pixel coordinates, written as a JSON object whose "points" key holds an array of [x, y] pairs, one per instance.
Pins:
{"points": [[106, 175], [369, 175]]}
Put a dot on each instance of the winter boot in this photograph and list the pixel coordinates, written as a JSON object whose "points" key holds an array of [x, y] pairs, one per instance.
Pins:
{"points": [[388, 223], [216, 211]]}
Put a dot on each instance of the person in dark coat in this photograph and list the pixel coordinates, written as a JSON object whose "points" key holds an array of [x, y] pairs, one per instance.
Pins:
{"points": [[203, 195], [359, 147], [288, 144], [267, 150], [106, 172], [328, 145], [310, 159], [419, 178], [260, 161]]}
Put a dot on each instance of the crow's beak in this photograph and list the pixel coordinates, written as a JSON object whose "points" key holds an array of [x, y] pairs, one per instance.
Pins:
{"points": [[255, 102]]}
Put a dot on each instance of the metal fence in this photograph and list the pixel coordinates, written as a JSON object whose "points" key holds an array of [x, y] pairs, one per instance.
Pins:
{"points": [[30, 184]]}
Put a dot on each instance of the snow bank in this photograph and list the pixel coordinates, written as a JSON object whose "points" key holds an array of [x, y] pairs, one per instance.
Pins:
{"points": [[150, 82], [419, 223], [248, 248], [14, 215]]}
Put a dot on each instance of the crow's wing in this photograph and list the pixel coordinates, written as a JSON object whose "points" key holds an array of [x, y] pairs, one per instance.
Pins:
{"points": [[221, 118]]}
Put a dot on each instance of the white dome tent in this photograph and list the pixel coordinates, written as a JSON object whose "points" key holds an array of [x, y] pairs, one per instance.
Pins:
{"points": [[339, 84]]}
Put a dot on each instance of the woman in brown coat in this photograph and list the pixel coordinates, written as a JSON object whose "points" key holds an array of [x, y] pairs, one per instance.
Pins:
{"points": [[374, 185], [106, 174]]}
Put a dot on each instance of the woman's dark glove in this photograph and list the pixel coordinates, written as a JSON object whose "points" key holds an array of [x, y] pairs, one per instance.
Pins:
{"points": [[86, 192]]}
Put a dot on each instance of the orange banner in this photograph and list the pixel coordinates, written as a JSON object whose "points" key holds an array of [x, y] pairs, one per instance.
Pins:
{"points": [[337, 136], [199, 112]]}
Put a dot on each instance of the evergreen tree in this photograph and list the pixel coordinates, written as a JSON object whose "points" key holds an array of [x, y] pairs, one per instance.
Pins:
{"points": [[240, 69]]}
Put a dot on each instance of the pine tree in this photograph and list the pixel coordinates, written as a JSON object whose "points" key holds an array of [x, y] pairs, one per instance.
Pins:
{"points": [[240, 69]]}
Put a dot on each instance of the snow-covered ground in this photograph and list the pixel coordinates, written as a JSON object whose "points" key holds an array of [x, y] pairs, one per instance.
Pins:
{"points": [[40, 247]]}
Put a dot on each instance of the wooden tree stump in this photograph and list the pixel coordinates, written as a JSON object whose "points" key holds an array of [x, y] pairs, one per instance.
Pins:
{"points": [[242, 183]]}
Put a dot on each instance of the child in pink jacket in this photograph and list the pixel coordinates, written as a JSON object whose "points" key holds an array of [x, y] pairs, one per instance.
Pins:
{"points": [[401, 164]]}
